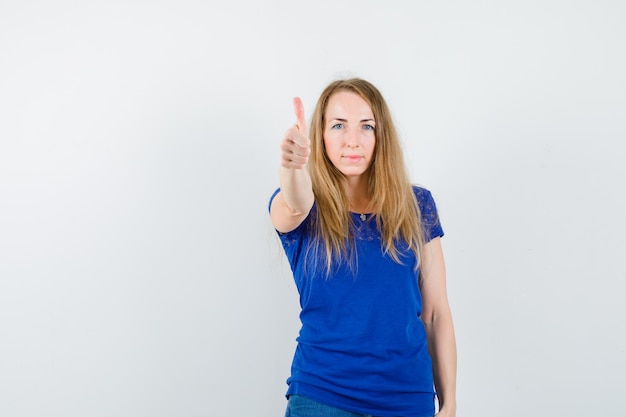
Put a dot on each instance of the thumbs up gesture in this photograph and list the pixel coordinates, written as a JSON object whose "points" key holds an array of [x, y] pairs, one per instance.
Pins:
{"points": [[296, 146]]}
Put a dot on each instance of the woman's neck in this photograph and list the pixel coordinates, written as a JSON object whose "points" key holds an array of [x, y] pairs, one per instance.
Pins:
{"points": [[359, 199]]}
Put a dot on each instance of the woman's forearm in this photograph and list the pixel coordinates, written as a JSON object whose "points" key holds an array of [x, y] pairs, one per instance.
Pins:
{"points": [[442, 348], [296, 189]]}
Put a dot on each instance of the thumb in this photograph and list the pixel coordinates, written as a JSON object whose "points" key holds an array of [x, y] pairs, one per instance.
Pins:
{"points": [[298, 108]]}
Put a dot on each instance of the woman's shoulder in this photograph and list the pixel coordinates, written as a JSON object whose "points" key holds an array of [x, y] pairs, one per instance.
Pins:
{"points": [[428, 211], [422, 194]]}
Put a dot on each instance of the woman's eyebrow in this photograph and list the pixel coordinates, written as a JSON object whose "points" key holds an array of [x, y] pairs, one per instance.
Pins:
{"points": [[339, 119]]}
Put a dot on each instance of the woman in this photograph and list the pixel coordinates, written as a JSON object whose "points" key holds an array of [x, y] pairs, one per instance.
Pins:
{"points": [[364, 246]]}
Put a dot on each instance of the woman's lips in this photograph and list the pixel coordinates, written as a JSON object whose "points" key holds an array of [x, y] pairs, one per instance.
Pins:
{"points": [[353, 158]]}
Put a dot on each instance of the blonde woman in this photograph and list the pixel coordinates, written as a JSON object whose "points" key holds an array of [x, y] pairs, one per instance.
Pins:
{"points": [[377, 336]]}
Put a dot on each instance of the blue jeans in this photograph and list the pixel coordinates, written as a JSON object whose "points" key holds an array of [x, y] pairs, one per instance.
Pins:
{"points": [[299, 406]]}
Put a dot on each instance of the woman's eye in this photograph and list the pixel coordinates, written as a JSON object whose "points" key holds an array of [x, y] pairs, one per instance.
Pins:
{"points": [[337, 126], [368, 127]]}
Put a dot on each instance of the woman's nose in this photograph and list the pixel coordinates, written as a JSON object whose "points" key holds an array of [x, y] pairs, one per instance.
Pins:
{"points": [[352, 138]]}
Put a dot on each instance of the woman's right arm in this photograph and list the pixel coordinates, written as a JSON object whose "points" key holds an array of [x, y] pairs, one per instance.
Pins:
{"points": [[293, 202]]}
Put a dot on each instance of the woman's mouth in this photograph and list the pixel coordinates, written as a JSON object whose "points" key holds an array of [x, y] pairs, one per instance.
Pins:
{"points": [[353, 158]]}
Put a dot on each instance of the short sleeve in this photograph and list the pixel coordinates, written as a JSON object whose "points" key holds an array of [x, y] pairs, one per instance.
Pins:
{"points": [[296, 235], [269, 206], [428, 210]]}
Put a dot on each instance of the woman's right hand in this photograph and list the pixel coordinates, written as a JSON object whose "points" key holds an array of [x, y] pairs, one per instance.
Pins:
{"points": [[293, 202], [296, 146]]}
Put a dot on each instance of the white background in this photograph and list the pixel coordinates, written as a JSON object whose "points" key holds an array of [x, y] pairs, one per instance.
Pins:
{"points": [[139, 145]]}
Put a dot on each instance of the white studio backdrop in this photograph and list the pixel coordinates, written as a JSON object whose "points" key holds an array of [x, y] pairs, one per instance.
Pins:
{"points": [[139, 145]]}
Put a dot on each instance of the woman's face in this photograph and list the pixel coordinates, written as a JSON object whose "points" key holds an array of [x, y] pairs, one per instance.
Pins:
{"points": [[349, 133]]}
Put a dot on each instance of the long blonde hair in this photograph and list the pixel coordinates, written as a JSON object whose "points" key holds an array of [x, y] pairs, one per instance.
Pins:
{"points": [[398, 215]]}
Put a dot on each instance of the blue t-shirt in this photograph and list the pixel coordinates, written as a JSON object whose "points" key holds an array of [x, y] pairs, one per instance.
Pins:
{"points": [[362, 345]]}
